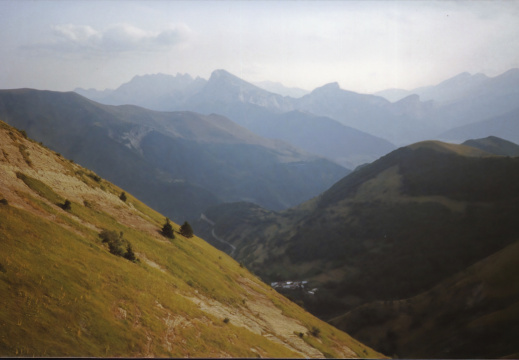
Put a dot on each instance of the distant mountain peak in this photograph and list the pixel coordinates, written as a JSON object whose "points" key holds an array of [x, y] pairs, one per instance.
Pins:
{"points": [[219, 77], [410, 99], [331, 86], [221, 73]]}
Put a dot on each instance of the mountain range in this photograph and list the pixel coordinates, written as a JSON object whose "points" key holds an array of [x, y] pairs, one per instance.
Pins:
{"points": [[388, 231], [178, 162], [88, 272], [419, 114], [264, 112]]}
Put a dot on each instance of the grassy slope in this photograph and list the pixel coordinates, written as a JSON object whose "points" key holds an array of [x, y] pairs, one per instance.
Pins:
{"points": [[64, 294], [472, 314], [389, 230]]}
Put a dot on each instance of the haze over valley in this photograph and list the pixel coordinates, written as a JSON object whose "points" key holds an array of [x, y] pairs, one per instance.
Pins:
{"points": [[332, 179]]}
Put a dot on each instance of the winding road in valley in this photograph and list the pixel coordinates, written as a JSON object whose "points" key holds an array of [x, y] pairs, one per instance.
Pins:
{"points": [[210, 222]]}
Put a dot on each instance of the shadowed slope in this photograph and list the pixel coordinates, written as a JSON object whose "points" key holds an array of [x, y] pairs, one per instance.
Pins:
{"points": [[170, 158]]}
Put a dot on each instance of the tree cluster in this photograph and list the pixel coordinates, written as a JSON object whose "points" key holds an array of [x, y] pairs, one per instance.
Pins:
{"points": [[117, 245], [185, 230]]}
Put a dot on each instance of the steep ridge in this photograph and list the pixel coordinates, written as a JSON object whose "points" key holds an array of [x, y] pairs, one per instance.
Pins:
{"points": [[66, 293], [170, 158], [389, 230]]}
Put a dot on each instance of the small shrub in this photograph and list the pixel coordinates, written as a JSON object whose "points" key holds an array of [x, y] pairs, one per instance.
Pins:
{"points": [[167, 230], [108, 235], [67, 205], [117, 245], [94, 177], [123, 196], [4, 202], [226, 320], [301, 335], [116, 248], [2, 268], [24, 133], [315, 331]]}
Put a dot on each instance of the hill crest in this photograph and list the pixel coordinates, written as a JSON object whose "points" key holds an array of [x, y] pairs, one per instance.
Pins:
{"points": [[444, 147]]}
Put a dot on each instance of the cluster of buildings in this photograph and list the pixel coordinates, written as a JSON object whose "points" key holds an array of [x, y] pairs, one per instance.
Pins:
{"points": [[292, 285]]}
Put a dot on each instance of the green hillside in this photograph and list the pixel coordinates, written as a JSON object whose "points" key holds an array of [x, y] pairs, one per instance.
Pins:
{"points": [[473, 314], [66, 292], [388, 231]]}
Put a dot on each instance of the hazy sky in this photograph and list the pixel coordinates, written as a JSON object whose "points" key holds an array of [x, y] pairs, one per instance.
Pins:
{"points": [[366, 46]]}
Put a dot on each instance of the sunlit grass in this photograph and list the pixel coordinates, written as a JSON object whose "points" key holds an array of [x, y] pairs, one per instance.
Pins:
{"points": [[65, 294]]}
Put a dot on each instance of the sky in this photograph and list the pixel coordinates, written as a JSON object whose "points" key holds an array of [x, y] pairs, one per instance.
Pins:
{"points": [[365, 46]]}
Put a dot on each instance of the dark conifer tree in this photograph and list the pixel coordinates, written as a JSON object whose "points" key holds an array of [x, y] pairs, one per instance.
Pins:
{"points": [[130, 255], [167, 230], [186, 230]]}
